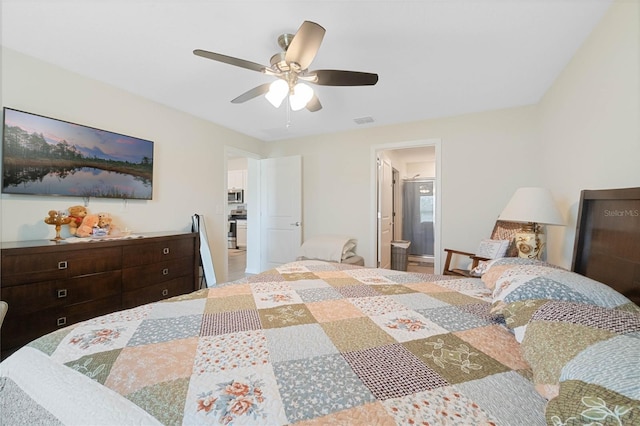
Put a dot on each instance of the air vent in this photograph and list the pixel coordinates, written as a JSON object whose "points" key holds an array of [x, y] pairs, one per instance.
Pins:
{"points": [[363, 120]]}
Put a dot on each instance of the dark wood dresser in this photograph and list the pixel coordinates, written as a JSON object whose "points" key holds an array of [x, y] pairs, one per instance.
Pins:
{"points": [[51, 285]]}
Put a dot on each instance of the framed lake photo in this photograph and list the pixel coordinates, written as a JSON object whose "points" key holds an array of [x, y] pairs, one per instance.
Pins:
{"points": [[46, 156]]}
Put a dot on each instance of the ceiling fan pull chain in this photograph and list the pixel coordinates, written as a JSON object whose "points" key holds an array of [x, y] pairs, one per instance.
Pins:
{"points": [[288, 113]]}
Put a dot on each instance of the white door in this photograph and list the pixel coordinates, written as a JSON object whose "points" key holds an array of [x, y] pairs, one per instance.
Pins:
{"points": [[385, 212], [281, 210]]}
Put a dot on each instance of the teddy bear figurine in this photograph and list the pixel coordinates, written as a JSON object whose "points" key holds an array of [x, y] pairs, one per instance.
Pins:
{"points": [[77, 215], [105, 223], [89, 222]]}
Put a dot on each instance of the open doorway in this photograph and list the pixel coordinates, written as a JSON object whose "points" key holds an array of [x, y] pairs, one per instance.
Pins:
{"points": [[236, 210], [414, 201]]}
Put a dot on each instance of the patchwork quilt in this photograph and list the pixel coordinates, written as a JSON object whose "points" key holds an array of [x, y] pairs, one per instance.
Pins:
{"points": [[307, 343]]}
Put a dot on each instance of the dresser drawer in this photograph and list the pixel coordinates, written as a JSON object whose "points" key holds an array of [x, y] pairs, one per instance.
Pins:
{"points": [[157, 292], [18, 268], [19, 328], [34, 297], [153, 252], [145, 275]]}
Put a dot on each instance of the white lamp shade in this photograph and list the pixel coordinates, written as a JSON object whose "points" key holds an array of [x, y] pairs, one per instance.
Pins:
{"points": [[277, 92], [301, 96], [533, 205]]}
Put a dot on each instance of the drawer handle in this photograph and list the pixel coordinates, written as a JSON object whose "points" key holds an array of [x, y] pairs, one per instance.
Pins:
{"points": [[62, 321], [165, 292], [62, 264], [62, 293], [165, 250], [165, 271]]}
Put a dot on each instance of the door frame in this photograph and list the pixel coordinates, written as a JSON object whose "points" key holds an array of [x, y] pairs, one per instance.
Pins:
{"points": [[373, 209], [253, 215]]}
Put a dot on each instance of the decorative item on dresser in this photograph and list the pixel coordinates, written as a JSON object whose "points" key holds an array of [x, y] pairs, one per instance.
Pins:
{"points": [[49, 285]]}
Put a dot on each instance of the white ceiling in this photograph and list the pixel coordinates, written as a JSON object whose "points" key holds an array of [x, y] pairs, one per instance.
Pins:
{"points": [[434, 58]]}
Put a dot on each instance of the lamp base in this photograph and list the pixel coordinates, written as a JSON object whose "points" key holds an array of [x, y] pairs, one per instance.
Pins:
{"points": [[530, 241]]}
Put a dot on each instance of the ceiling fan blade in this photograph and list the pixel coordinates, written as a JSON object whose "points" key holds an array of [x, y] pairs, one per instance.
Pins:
{"points": [[344, 78], [230, 60], [305, 44], [250, 94], [314, 104]]}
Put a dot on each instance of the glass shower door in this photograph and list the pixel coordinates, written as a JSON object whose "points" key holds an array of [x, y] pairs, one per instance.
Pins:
{"points": [[418, 216]]}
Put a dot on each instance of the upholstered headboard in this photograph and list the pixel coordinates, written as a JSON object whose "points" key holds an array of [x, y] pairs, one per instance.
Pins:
{"points": [[607, 245]]}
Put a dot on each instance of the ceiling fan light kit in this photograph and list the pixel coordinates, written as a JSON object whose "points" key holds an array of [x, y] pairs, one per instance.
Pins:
{"points": [[291, 65]]}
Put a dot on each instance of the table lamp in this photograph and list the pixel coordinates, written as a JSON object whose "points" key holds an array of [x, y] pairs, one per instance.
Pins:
{"points": [[533, 207]]}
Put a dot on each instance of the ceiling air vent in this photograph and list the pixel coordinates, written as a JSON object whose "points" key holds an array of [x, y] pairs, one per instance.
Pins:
{"points": [[363, 120]]}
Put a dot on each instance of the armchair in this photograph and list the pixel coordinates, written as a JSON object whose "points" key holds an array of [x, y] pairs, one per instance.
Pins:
{"points": [[503, 230]]}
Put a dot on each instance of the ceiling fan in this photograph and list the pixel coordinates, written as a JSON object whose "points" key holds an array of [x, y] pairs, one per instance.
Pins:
{"points": [[291, 67]]}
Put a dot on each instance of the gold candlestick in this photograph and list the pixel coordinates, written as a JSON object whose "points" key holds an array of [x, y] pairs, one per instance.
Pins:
{"points": [[58, 219]]}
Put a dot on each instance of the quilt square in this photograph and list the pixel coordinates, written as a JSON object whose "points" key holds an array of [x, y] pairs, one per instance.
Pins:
{"points": [[89, 339], [270, 286], [407, 325], [177, 308], [228, 351], [391, 371], [276, 298], [236, 397], [379, 305], [368, 414], [318, 294], [426, 287], [490, 393], [165, 329], [417, 301], [270, 276], [96, 366], [229, 304], [453, 298], [357, 291], [453, 319], [326, 274], [285, 316], [355, 334], [135, 314], [141, 366], [297, 276], [454, 359], [333, 387], [230, 290], [308, 284], [280, 347], [333, 310], [393, 289], [440, 406], [230, 322], [342, 281], [163, 401], [498, 343]]}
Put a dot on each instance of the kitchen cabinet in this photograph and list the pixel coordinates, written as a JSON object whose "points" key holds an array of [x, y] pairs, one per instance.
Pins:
{"points": [[237, 179], [241, 233]]}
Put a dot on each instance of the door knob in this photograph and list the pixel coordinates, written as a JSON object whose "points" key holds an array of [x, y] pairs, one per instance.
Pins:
{"points": [[295, 224]]}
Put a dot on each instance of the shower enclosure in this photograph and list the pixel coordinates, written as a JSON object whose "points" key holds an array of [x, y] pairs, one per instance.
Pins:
{"points": [[418, 208]]}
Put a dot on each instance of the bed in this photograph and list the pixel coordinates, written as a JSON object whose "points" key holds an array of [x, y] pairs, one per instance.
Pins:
{"points": [[316, 343]]}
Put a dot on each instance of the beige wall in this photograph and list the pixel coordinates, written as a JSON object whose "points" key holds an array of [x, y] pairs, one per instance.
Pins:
{"points": [[188, 154], [589, 120], [479, 172]]}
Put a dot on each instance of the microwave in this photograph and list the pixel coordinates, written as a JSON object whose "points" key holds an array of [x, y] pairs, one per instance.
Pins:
{"points": [[236, 196]]}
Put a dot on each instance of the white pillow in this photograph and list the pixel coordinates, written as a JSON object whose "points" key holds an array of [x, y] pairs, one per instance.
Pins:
{"points": [[492, 249]]}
